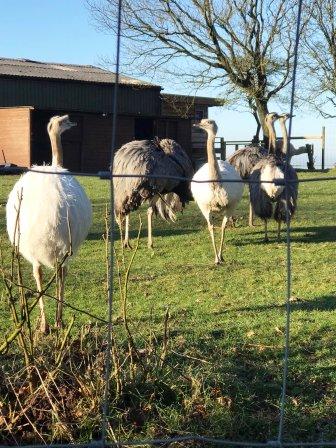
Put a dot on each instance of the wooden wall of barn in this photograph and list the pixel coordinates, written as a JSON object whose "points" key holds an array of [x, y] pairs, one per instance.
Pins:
{"points": [[15, 135], [97, 135], [51, 94]]}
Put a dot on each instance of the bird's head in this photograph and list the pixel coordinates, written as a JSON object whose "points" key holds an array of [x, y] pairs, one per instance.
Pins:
{"points": [[207, 125], [285, 117], [59, 124], [271, 117]]}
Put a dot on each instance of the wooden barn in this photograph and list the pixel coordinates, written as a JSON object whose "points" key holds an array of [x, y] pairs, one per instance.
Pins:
{"points": [[31, 92]]}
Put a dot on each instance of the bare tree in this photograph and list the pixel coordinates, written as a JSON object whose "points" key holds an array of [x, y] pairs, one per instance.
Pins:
{"points": [[245, 47], [320, 56]]}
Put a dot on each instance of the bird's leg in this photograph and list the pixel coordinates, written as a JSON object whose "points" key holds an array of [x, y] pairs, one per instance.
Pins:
{"points": [[37, 272], [279, 230], [225, 220], [150, 234], [211, 230], [60, 296], [266, 235], [126, 239], [251, 216]]}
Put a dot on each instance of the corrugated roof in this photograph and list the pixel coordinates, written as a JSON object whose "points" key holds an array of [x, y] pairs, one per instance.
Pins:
{"points": [[50, 70]]}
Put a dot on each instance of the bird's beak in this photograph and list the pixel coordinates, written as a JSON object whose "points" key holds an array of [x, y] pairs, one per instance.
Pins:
{"points": [[72, 123]]}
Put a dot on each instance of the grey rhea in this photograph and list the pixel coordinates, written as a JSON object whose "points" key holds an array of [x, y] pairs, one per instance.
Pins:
{"points": [[269, 199], [166, 196], [245, 159]]}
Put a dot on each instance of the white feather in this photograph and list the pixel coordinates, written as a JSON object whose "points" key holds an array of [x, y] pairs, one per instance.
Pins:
{"points": [[224, 197], [48, 203], [49, 215]]}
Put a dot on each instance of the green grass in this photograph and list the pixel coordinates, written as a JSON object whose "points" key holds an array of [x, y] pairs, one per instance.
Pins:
{"points": [[227, 323]]}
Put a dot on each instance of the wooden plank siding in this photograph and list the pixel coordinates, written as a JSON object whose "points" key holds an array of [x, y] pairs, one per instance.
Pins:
{"points": [[50, 94], [15, 135], [176, 129], [97, 136]]}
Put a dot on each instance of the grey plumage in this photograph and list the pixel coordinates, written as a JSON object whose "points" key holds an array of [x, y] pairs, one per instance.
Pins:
{"points": [[245, 159], [163, 157], [167, 206], [267, 199]]}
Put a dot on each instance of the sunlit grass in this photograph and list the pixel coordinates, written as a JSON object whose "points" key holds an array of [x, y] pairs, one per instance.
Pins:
{"points": [[227, 323]]}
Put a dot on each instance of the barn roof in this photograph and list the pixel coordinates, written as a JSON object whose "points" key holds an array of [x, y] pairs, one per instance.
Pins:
{"points": [[69, 72]]}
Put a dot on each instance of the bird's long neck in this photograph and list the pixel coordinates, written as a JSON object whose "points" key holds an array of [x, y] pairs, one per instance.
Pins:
{"points": [[212, 160], [56, 149], [284, 137], [272, 137]]}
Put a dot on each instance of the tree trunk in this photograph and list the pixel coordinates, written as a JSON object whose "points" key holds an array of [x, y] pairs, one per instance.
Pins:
{"points": [[262, 110]]}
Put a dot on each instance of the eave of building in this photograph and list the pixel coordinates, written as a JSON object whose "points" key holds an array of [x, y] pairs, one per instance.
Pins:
{"points": [[201, 100]]}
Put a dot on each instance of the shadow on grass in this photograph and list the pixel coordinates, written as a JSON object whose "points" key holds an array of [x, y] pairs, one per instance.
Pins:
{"points": [[313, 234], [317, 234], [324, 303]]}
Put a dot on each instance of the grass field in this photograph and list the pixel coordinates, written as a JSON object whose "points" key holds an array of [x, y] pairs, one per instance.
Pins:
{"points": [[225, 357]]}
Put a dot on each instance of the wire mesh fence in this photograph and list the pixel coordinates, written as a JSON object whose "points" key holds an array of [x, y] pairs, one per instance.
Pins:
{"points": [[154, 353], [179, 438]]}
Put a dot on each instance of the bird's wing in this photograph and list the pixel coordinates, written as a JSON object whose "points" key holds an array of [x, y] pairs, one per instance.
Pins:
{"points": [[134, 158], [245, 159]]}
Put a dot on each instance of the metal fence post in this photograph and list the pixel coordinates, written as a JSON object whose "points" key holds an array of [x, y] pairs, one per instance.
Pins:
{"points": [[323, 146]]}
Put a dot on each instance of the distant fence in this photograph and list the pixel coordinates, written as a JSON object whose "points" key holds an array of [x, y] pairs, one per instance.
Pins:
{"points": [[221, 146]]}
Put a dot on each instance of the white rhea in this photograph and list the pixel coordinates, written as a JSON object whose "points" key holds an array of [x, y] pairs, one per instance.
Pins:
{"points": [[49, 215], [218, 197]]}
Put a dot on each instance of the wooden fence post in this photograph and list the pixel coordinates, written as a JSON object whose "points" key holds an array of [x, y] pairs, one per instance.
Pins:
{"points": [[223, 148], [310, 152]]}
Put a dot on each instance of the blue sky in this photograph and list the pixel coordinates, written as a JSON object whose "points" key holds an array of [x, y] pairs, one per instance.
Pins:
{"points": [[63, 31]]}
